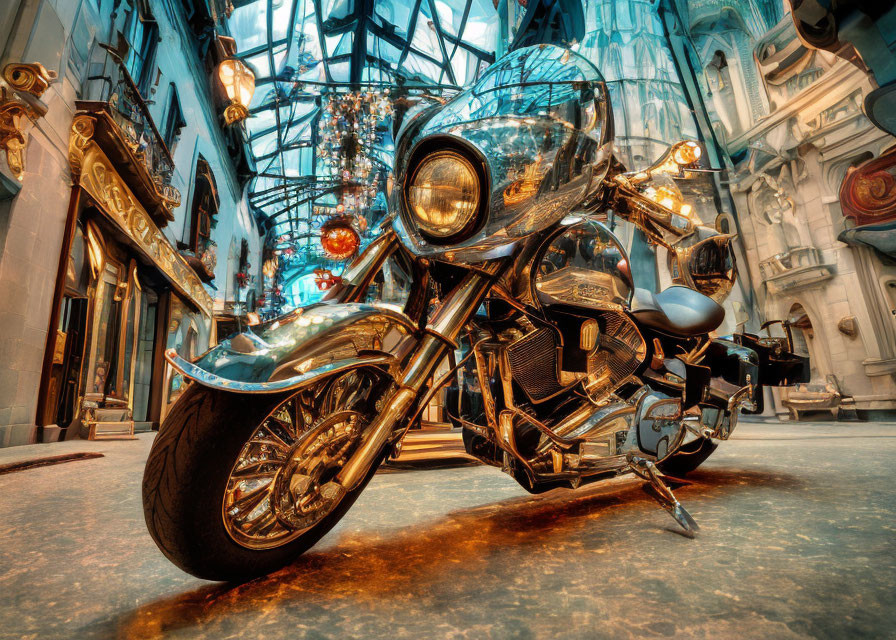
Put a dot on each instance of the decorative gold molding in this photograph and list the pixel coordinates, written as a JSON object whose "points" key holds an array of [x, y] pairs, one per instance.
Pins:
{"points": [[20, 90], [83, 127], [30, 77], [12, 135], [98, 177]]}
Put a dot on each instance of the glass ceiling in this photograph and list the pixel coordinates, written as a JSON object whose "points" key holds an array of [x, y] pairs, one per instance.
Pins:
{"points": [[303, 50]]}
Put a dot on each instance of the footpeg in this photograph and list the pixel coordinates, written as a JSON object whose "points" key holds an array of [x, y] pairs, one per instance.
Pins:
{"points": [[658, 490]]}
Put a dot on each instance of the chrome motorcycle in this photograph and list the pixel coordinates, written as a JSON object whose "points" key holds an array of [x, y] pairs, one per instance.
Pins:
{"points": [[502, 200]]}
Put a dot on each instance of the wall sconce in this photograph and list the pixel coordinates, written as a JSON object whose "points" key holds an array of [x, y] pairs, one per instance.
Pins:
{"points": [[239, 85]]}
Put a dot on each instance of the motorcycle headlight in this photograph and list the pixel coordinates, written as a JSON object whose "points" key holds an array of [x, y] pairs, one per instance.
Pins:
{"points": [[443, 195]]}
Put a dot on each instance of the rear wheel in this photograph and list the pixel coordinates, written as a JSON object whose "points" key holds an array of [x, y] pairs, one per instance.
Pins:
{"points": [[688, 457], [236, 486]]}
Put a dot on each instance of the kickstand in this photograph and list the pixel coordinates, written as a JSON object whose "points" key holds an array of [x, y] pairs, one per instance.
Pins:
{"points": [[658, 490]]}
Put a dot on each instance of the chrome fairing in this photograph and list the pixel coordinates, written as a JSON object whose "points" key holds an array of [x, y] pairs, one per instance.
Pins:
{"points": [[585, 265], [299, 347], [539, 121]]}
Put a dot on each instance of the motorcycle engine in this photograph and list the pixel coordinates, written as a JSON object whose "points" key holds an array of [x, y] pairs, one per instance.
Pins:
{"points": [[601, 349]]}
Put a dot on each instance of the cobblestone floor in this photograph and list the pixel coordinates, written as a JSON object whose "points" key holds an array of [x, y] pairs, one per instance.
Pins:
{"points": [[797, 541]]}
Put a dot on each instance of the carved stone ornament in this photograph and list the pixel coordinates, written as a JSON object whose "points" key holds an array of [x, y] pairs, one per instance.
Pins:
{"points": [[868, 193], [20, 91], [848, 326]]}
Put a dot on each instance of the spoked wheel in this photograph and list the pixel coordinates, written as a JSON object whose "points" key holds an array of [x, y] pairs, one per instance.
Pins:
{"points": [[238, 485], [282, 483]]}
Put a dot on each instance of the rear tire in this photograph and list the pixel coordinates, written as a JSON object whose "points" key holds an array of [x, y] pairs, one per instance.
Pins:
{"points": [[688, 457], [186, 478]]}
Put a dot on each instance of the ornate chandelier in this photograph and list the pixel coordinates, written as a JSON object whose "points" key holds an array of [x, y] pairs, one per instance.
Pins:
{"points": [[348, 130]]}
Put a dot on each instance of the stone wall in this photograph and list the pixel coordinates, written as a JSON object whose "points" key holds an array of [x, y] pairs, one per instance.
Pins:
{"points": [[63, 36], [786, 168]]}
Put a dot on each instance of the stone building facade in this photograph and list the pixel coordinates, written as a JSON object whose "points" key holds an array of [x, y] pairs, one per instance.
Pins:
{"points": [[162, 203], [790, 120]]}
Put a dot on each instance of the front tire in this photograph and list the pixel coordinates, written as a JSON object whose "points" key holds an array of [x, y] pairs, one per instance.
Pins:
{"points": [[188, 482]]}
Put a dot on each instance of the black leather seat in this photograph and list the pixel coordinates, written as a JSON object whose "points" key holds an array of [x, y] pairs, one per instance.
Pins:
{"points": [[677, 310]]}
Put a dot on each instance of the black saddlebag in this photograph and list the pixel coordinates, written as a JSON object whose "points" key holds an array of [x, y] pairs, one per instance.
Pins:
{"points": [[778, 366], [736, 364]]}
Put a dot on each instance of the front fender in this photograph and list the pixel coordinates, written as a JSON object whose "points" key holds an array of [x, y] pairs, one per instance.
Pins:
{"points": [[300, 347]]}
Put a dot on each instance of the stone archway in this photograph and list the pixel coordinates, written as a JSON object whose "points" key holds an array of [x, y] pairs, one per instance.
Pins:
{"points": [[821, 393], [803, 334]]}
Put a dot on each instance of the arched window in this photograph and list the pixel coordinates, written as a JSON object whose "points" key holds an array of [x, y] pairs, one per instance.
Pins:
{"points": [[718, 72], [174, 120], [205, 207], [197, 246], [803, 335]]}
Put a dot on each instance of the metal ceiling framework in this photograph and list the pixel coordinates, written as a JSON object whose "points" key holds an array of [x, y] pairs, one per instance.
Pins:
{"points": [[304, 50]]}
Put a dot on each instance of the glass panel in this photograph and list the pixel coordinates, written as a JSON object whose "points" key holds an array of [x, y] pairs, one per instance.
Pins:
{"points": [[104, 357], [183, 337], [145, 352], [130, 336], [393, 12], [248, 24]]}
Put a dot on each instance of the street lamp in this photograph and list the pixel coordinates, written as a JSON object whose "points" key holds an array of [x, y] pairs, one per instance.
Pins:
{"points": [[239, 84]]}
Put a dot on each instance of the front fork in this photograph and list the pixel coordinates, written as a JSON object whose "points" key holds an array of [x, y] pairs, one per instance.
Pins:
{"points": [[439, 336]]}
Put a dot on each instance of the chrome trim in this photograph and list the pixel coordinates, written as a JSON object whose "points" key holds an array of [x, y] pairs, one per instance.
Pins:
{"points": [[452, 316], [207, 379], [281, 354]]}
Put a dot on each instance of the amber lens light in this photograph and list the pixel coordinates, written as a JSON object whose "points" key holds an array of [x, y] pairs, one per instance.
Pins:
{"points": [[339, 242], [444, 194]]}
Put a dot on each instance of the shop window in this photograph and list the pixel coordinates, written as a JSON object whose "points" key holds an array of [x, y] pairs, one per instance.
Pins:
{"points": [[139, 41], [174, 120]]}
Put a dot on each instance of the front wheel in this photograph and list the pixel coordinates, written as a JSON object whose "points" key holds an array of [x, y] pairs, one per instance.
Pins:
{"points": [[236, 486]]}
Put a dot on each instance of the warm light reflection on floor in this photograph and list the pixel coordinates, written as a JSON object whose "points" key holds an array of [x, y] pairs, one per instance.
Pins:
{"points": [[367, 567]]}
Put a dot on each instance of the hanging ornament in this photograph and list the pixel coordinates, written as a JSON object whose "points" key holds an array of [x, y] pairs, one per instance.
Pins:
{"points": [[324, 279], [339, 239]]}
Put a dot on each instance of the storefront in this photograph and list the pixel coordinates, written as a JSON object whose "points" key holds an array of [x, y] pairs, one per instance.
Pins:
{"points": [[126, 296]]}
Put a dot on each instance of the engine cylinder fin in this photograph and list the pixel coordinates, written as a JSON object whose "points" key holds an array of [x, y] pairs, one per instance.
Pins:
{"points": [[534, 365]]}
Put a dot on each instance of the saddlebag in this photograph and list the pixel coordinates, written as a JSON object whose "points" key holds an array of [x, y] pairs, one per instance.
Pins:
{"points": [[738, 365], [778, 365]]}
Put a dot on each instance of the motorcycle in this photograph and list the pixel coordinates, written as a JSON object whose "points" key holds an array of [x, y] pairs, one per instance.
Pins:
{"points": [[502, 201]]}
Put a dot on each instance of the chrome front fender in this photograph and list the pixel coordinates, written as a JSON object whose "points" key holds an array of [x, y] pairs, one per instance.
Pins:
{"points": [[300, 347]]}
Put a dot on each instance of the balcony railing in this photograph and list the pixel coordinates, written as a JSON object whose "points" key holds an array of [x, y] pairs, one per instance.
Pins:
{"points": [[128, 135]]}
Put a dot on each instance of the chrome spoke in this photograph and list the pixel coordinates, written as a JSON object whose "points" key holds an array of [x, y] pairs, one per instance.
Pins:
{"points": [[280, 431], [262, 525], [255, 470], [246, 504]]}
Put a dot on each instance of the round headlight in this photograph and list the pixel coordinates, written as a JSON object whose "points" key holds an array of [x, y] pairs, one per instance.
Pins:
{"points": [[443, 194]]}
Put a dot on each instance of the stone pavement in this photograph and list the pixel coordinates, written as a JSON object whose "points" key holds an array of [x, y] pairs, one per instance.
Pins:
{"points": [[797, 541]]}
